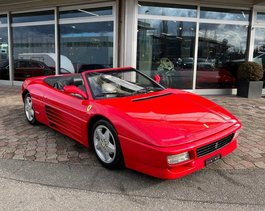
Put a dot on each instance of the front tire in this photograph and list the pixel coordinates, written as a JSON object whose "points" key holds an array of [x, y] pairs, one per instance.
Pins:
{"points": [[29, 110], [106, 145]]}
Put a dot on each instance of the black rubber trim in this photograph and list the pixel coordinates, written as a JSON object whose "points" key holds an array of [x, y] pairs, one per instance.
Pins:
{"points": [[151, 97]]}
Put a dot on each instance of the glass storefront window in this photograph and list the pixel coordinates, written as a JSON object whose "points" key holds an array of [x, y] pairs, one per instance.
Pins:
{"points": [[222, 48], [224, 14], [167, 10], [3, 19], [86, 12], [166, 50], [4, 62], [33, 44], [86, 46], [33, 51], [261, 16], [259, 49], [33, 16]]}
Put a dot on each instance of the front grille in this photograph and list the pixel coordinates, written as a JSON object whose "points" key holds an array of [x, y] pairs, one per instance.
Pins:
{"points": [[214, 146]]}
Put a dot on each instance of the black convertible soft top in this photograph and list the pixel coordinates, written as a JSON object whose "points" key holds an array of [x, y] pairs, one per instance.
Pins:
{"points": [[60, 81]]}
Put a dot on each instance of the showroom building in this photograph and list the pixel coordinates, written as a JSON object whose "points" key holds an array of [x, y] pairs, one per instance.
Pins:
{"points": [[194, 45]]}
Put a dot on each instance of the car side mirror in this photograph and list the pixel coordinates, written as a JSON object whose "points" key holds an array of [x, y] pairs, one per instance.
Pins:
{"points": [[75, 91]]}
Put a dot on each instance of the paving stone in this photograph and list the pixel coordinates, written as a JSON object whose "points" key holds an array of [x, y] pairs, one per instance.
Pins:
{"points": [[62, 158], [260, 164], [51, 156], [21, 147], [61, 152], [3, 143], [10, 149], [30, 153], [74, 160], [41, 149], [20, 151], [83, 155], [51, 150], [247, 164], [256, 150], [31, 158], [8, 155], [51, 146], [73, 154], [18, 157], [254, 154]]}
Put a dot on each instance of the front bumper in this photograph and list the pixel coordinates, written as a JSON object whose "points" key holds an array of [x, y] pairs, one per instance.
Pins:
{"points": [[152, 160]]}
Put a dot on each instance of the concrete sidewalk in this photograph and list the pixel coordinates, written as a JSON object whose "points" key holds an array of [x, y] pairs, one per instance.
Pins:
{"points": [[21, 141]]}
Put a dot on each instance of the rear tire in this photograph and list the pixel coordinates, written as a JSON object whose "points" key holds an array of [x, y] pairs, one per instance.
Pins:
{"points": [[29, 110], [106, 144]]}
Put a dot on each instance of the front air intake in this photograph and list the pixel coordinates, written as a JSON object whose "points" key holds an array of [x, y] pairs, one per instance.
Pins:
{"points": [[214, 146]]}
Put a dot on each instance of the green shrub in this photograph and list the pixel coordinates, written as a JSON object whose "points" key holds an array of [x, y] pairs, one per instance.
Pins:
{"points": [[250, 71]]}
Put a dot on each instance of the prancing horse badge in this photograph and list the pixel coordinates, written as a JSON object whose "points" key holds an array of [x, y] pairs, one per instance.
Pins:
{"points": [[89, 108]]}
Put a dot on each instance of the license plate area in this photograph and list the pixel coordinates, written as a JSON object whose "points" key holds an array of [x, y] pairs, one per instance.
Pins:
{"points": [[212, 159]]}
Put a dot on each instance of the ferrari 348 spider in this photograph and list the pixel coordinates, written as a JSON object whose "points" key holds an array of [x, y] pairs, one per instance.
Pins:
{"points": [[130, 120]]}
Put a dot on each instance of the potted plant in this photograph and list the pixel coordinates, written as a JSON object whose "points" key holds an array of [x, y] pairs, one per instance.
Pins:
{"points": [[249, 84]]}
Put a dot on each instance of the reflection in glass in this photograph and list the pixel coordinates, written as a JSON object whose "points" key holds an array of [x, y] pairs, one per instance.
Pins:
{"points": [[165, 51], [221, 49], [224, 14], [86, 12], [33, 16], [86, 46], [3, 19], [259, 49], [4, 63], [166, 9], [109, 84], [261, 16], [34, 51]]}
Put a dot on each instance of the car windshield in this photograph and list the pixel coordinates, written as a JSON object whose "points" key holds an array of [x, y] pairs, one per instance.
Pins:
{"points": [[120, 83]]}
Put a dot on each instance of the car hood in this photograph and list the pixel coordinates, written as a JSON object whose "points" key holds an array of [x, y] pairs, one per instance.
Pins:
{"points": [[173, 117]]}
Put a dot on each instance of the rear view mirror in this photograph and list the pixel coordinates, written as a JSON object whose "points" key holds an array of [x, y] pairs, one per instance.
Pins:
{"points": [[75, 91]]}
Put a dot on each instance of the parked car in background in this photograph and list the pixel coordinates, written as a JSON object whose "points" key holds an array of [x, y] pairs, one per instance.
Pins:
{"points": [[203, 64], [24, 69], [50, 59]]}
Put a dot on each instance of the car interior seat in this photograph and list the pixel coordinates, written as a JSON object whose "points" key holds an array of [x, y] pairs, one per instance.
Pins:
{"points": [[109, 88]]}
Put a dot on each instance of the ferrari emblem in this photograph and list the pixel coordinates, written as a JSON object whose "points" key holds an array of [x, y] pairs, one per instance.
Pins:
{"points": [[89, 108], [205, 125], [216, 145]]}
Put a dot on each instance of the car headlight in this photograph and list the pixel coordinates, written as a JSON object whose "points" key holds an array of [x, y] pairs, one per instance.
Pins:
{"points": [[174, 159]]}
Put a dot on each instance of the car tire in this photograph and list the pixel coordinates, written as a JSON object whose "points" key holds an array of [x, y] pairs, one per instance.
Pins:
{"points": [[106, 145], [29, 110]]}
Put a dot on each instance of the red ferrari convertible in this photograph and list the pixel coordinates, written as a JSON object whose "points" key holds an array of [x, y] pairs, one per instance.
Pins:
{"points": [[130, 120]]}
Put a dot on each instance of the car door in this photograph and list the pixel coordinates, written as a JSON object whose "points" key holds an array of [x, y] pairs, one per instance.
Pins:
{"points": [[21, 70], [67, 114], [35, 69]]}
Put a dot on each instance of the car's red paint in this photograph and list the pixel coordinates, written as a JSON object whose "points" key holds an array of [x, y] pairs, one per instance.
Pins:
{"points": [[150, 126]]}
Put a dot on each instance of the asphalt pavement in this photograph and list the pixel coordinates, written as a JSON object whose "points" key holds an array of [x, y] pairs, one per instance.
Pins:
{"points": [[28, 185], [41, 169]]}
